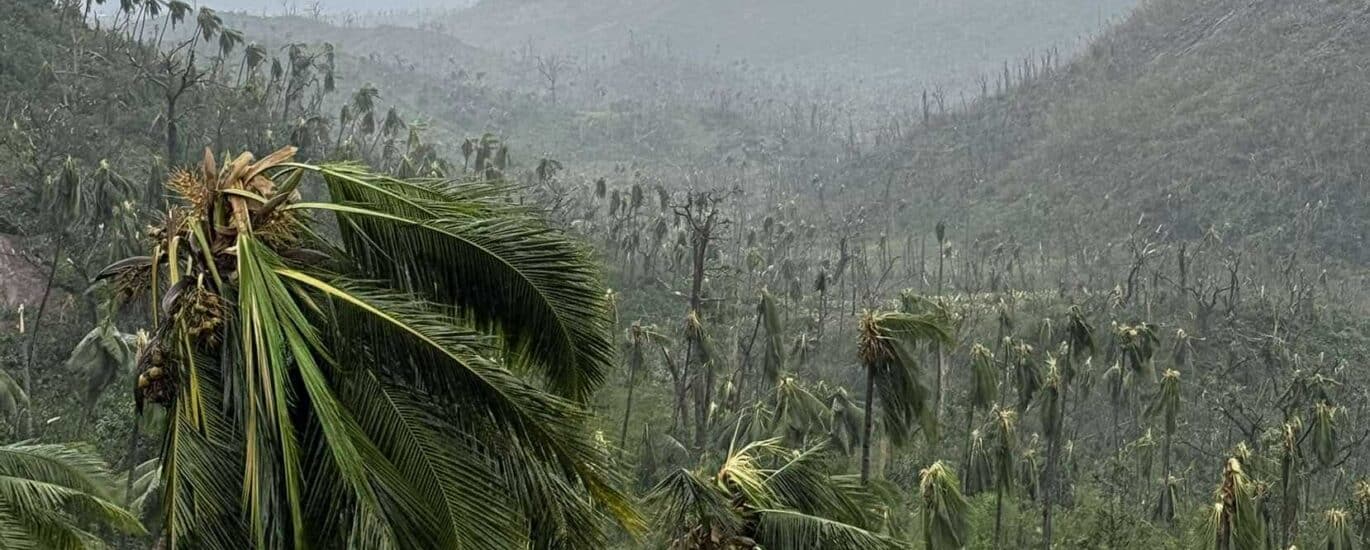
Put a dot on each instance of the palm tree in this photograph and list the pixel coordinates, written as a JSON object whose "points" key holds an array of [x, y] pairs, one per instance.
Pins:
{"points": [[1235, 522], [766, 496], [1005, 439], [101, 357], [984, 391], [885, 347], [1167, 406], [946, 514], [796, 413], [1337, 535], [50, 494], [370, 389], [639, 337], [1053, 408]]}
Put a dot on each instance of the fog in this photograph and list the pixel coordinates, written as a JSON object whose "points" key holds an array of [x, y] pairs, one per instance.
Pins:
{"points": [[685, 274]]}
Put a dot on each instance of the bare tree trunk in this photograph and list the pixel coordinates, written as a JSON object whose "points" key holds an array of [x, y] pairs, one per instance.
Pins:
{"points": [[633, 363], [37, 326], [937, 395], [868, 429], [173, 136], [1049, 486], [132, 458]]}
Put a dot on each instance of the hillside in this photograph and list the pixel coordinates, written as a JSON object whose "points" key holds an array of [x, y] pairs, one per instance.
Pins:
{"points": [[1246, 118], [926, 41]]}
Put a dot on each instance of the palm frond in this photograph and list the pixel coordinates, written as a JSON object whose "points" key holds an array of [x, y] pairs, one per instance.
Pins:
{"points": [[688, 506], [774, 358], [945, 513], [464, 244], [799, 531], [49, 494]]}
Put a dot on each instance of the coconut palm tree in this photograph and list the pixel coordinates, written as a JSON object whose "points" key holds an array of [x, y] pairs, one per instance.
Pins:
{"points": [[1337, 531], [1235, 521], [764, 495], [1005, 439], [51, 494], [885, 347], [945, 513], [416, 381], [984, 391], [639, 337], [1167, 406], [1053, 409]]}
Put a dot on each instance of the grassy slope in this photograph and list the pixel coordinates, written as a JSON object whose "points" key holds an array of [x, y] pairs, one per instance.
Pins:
{"points": [[1247, 117]]}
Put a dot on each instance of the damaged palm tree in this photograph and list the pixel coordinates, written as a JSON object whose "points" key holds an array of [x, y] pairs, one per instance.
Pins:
{"points": [[766, 496], [885, 348], [1235, 521], [946, 514], [371, 389], [1167, 406]]}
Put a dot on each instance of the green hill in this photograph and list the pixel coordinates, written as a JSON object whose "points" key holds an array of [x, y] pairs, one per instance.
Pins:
{"points": [[1246, 118]]}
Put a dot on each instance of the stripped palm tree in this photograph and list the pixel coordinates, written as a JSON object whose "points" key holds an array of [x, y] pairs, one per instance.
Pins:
{"points": [[639, 337], [51, 494], [417, 382], [885, 347], [764, 495]]}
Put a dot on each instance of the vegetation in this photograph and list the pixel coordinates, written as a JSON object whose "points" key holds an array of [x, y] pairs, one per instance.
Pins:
{"points": [[319, 281]]}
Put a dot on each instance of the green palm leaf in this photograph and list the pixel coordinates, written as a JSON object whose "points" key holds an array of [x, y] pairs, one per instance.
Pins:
{"points": [[50, 494], [795, 530], [465, 245]]}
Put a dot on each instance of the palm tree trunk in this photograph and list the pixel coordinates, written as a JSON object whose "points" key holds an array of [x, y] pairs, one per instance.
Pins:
{"points": [[635, 358], [937, 394], [869, 426], [998, 513], [965, 458], [1049, 486], [38, 323]]}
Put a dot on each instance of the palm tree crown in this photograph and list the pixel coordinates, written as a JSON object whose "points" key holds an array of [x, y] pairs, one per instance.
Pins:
{"points": [[410, 376]]}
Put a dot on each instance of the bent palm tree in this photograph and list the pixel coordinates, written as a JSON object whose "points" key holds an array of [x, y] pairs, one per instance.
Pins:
{"points": [[766, 496], [885, 347], [371, 390], [51, 493], [946, 514]]}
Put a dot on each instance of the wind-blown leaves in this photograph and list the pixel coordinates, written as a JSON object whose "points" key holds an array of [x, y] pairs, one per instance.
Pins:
{"points": [[945, 513], [885, 347], [1324, 433], [51, 493], [984, 377], [798, 503], [463, 244], [1236, 521], [101, 356], [774, 357], [1166, 403], [790, 529], [367, 392]]}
